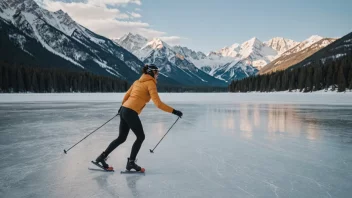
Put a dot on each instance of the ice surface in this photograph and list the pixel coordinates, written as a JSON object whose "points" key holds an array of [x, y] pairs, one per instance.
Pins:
{"points": [[226, 145]]}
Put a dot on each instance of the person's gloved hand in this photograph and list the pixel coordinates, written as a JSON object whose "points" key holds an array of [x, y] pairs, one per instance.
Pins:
{"points": [[178, 113]]}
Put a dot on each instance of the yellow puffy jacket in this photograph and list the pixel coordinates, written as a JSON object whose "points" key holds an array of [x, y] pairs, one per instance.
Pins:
{"points": [[141, 92]]}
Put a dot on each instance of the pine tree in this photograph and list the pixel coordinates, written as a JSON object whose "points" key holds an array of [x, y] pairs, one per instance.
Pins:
{"points": [[278, 83], [272, 81], [34, 83], [5, 79], [257, 83], [329, 76], [49, 84], [264, 85], [20, 82], [350, 75], [1, 88], [13, 79], [335, 75], [41, 82], [302, 76], [318, 78], [27, 79], [341, 79], [309, 80], [285, 81]]}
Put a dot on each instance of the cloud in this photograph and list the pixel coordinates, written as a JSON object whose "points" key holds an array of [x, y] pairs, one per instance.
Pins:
{"points": [[108, 21], [78, 11], [114, 2], [136, 15], [172, 40]]}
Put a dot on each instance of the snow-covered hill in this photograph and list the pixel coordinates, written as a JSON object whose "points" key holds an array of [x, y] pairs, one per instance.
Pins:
{"points": [[329, 50], [297, 54], [280, 44]]}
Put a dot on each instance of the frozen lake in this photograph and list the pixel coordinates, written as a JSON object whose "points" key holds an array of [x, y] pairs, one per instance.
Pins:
{"points": [[226, 145]]}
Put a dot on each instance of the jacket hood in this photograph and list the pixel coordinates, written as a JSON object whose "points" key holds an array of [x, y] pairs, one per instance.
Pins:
{"points": [[146, 77]]}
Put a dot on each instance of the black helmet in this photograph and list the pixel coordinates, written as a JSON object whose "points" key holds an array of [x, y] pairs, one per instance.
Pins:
{"points": [[149, 69], [152, 67]]}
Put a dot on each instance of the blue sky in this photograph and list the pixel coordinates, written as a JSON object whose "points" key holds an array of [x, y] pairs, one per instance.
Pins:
{"points": [[210, 25]]}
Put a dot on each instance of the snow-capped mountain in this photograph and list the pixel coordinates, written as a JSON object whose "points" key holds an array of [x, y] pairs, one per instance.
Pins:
{"points": [[303, 45], [280, 44], [57, 33], [171, 63], [174, 65], [335, 49], [238, 61], [132, 42], [52, 39], [231, 51], [298, 53], [188, 53], [233, 62], [207, 63], [229, 63], [257, 53], [252, 52]]}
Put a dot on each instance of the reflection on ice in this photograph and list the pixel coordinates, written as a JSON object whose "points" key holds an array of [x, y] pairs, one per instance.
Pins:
{"points": [[278, 120]]}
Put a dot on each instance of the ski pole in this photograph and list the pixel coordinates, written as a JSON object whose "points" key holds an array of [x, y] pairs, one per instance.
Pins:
{"points": [[65, 151], [152, 151]]}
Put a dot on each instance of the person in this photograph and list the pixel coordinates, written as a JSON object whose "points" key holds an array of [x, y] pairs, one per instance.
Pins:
{"points": [[135, 99]]}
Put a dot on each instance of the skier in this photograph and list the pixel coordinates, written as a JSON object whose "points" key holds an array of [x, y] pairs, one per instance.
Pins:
{"points": [[134, 101]]}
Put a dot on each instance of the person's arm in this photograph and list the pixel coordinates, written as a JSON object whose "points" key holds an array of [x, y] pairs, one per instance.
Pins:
{"points": [[153, 92], [127, 95]]}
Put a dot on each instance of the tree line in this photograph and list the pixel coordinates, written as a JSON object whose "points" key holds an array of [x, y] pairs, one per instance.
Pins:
{"points": [[334, 74], [43, 80], [193, 89], [20, 79]]}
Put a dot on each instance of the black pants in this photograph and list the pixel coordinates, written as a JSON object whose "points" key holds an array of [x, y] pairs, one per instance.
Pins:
{"points": [[129, 119]]}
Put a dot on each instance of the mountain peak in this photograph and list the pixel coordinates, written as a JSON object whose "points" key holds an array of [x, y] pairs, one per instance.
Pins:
{"points": [[231, 51], [315, 37], [281, 44], [132, 42], [60, 12], [253, 41], [20, 5], [133, 38], [157, 43]]}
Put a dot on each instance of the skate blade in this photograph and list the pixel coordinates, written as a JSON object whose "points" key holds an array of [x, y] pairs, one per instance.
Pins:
{"points": [[98, 169], [103, 169], [132, 172]]}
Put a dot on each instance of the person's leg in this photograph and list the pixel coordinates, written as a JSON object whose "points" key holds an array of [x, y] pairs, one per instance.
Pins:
{"points": [[123, 133], [137, 128], [136, 125]]}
